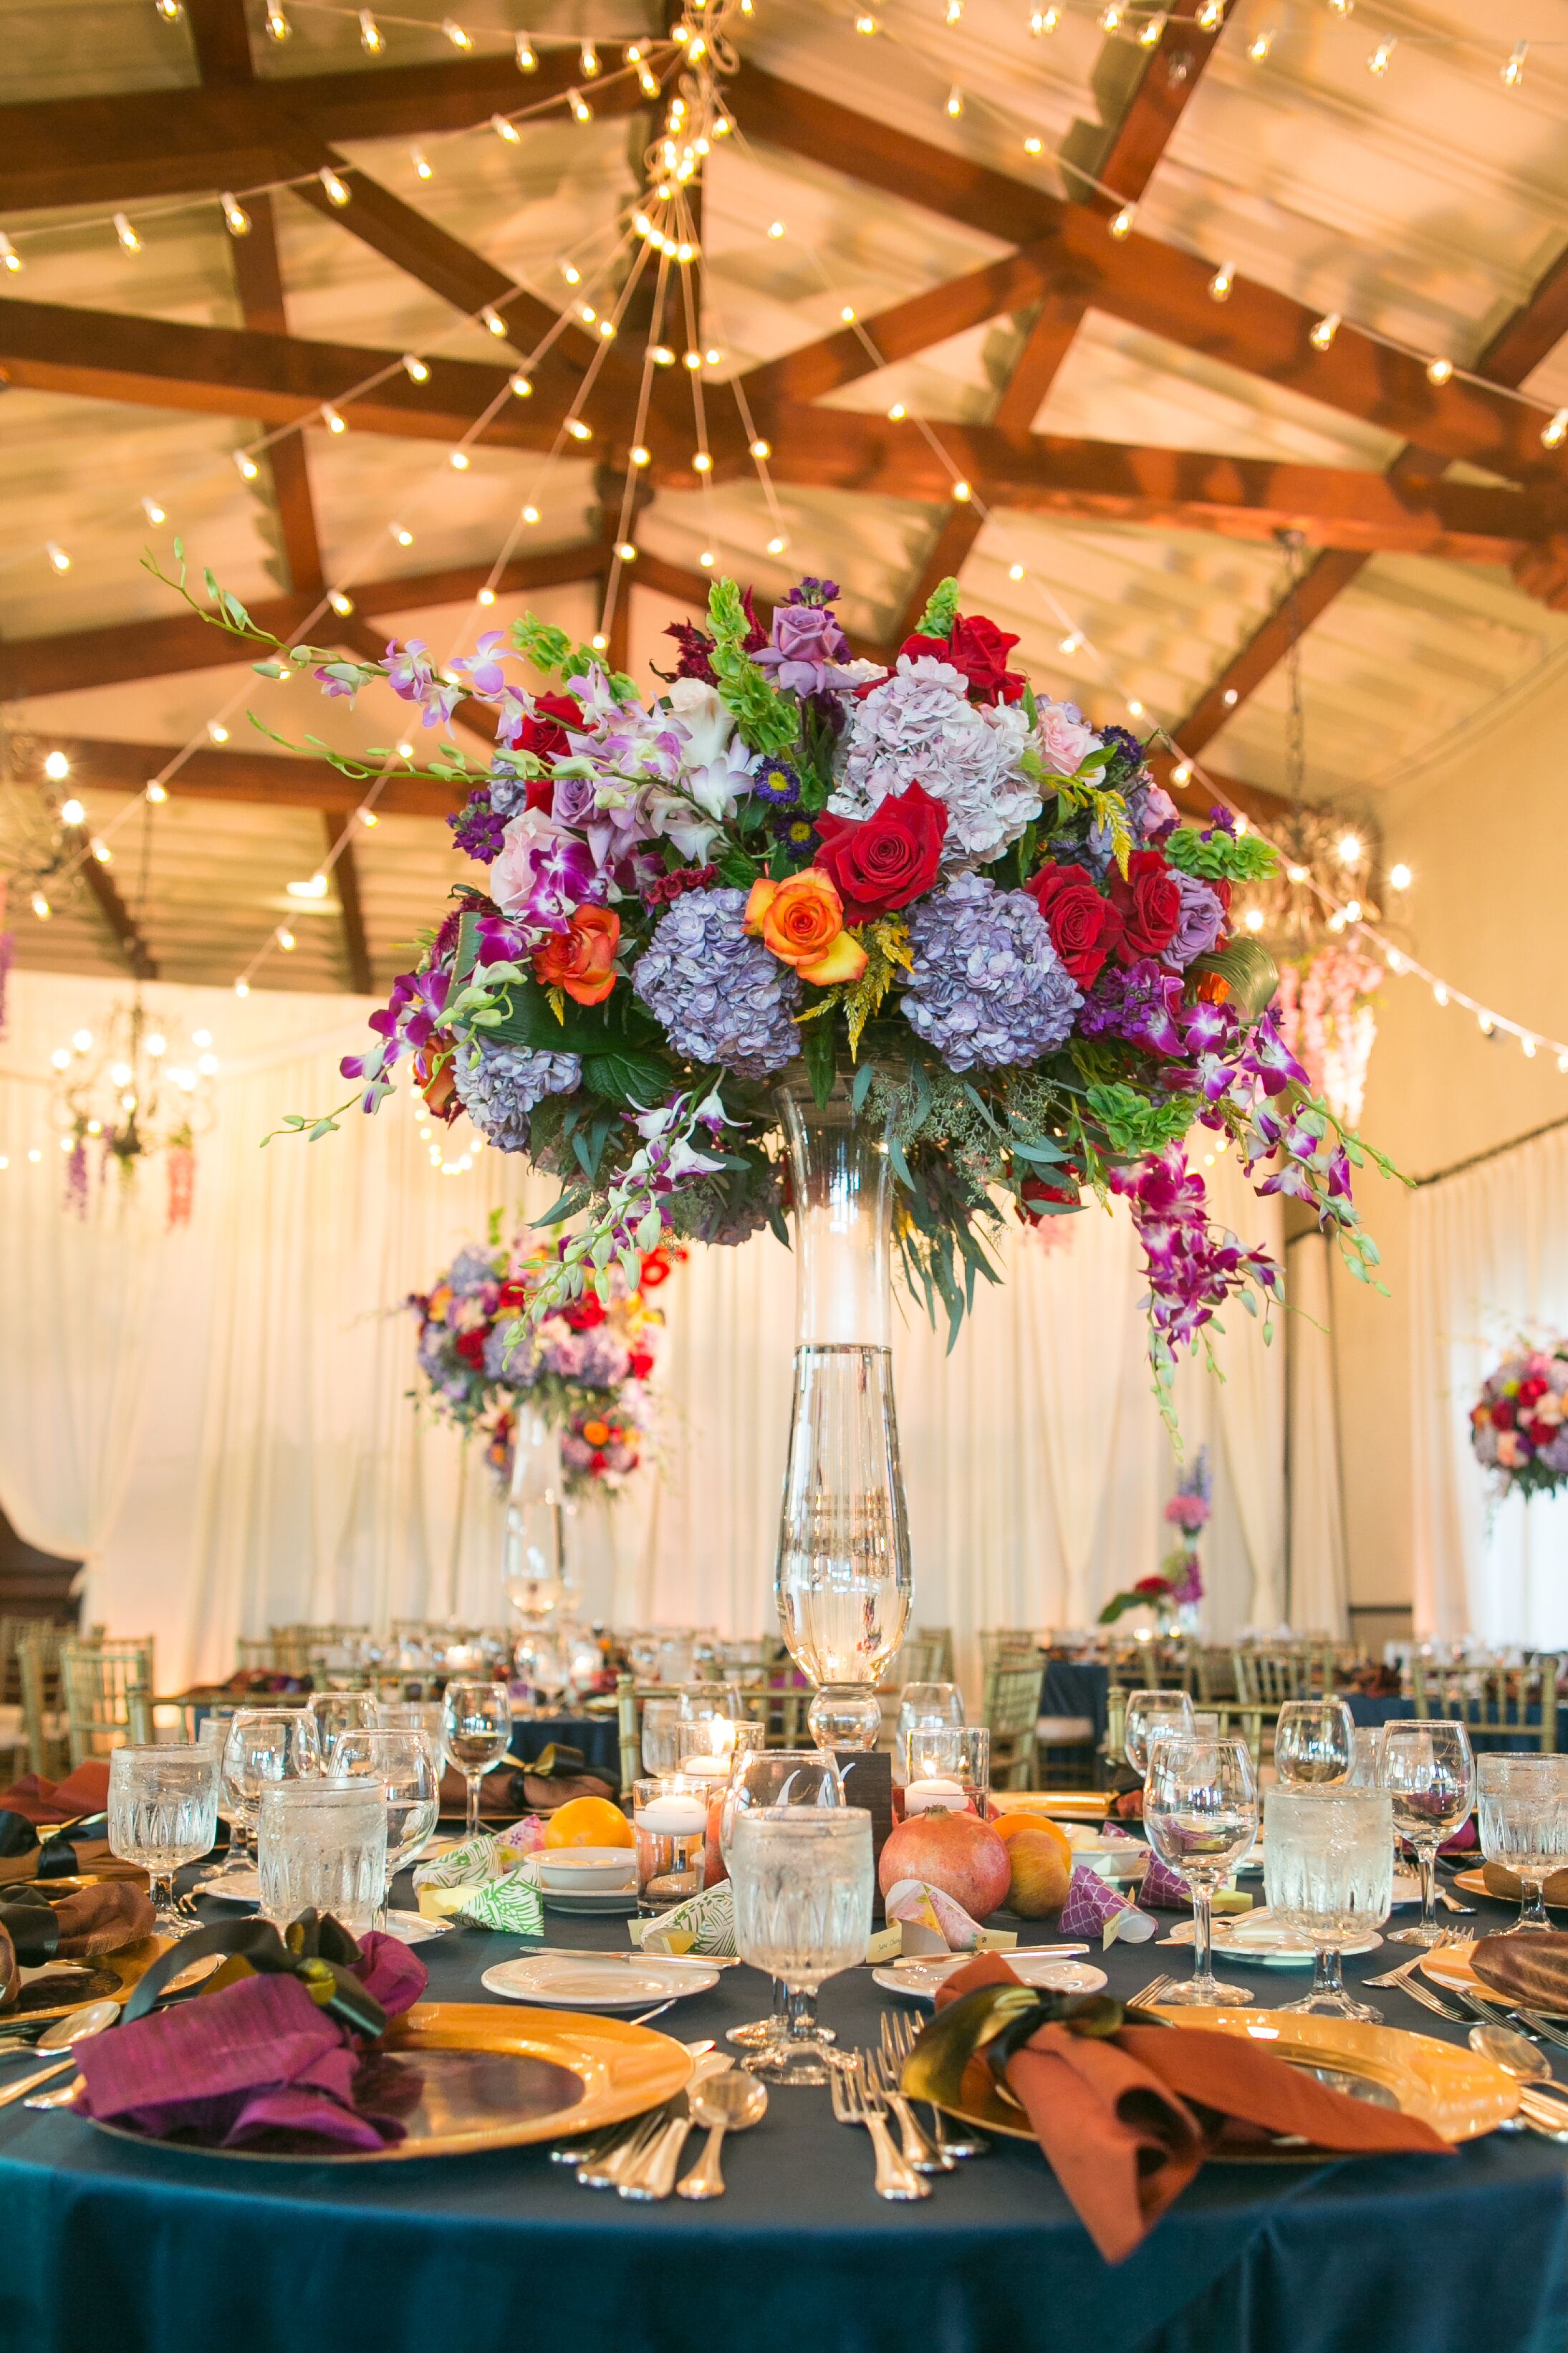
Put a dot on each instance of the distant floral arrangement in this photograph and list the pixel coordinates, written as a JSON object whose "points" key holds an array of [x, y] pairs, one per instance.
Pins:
{"points": [[944, 893], [1180, 1578], [584, 1365], [1519, 1425]]}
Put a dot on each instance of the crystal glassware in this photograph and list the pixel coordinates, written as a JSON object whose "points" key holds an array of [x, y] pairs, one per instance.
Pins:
{"points": [[426, 1716], [1366, 1759], [947, 1765], [843, 1578], [476, 1729], [1522, 1806], [670, 1825], [706, 1750], [533, 1540], [1148, 1713], [262, 1745], [803, 1887], [1429, 1771], [659, 1718], [405, 1766], [1200, 1814], [322, 1845], [212, 1731], [1328, 1873], [163, 1814], [924, 1707], [775, 1777], [337, 1711], [1314, 1742]]}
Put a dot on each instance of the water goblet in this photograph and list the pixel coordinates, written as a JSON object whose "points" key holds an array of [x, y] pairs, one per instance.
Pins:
{"points": [[405, 1766], [1429, 1770], [1148, 1712], [923, 1707], [476, 1726], [1328, 1873], [1314, 1743], [775, 1777], [1366, 1759], [262, 1745], [322, 1845], [1522, 1804], [1200, 1814], [336, 1711], [803, 1886], [163, 1814]]}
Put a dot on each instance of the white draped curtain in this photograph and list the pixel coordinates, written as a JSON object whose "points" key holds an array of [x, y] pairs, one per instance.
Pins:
{"points": [[218, 1420], [1490, 1252], [1318, 1595]]}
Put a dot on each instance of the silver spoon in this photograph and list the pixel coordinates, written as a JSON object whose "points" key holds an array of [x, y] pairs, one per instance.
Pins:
{"points": [[91, 2019], [724, 2104], [1528, 2066]]}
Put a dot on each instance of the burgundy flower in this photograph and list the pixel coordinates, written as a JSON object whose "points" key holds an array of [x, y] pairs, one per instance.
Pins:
{"points": [[980, 649], [887, 859], [1149, 899], [1083, 924]]}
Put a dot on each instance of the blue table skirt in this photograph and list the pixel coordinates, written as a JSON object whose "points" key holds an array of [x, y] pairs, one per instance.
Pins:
{"points": [[1073, 1687], [149, 2249], [1367, 1708], [597, 1736]]}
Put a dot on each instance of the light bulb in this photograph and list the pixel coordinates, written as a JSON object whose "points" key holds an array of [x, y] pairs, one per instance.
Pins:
{"points": [[522, 386], [625, 551], [1552, 433], [588, 57], [333, 422], [1378, 62], [315, 887], [1122, 223], [1230, 698], [486, 596], [578, 430], [1070, 643], [955, 102], [370, 36], [246, 465], [707, 559], [897, 413], [128, 237], [1014, 572], [1044, 20], [1034, 145], [217, 730], [1353, 911], [761, 450], [1323, 333], [1439, 371], [459, 460], [1210, 16], [40, 907], [170, 11], [1258, 50], [1485, 1023], [207, 1065], [1297, 873], [56, 555], [775, 228], [367, 817], [121, 1074], [1440, 992], [1348, 849], [236, 220], [242, 988], [278, 28], [867, 25], [1134, 708], [641, 455], [777, 544], [1110, 18], [1182, 774], [531, 514], [342, 605], [580, 106], [661, 355], [456, 34], [156, 793], [72, 812], [337, 190], [157, 1045], [56, 768], [1222, 281], [526, 61], [505, 130], [285, 939], [422, 166], [962, 493], [8, 253], [702, 463], [1528, 1048], [1512, 75], [200, 1037], [82, 1040], [1254, 919], [1153, 26], [414, 369], [1399, 877], [404, 537], [406, 751]]}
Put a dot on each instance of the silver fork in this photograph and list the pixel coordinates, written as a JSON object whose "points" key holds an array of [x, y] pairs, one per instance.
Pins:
{"points": [[954, 2140], [605, 2172], [918, 2148], [1147, 1995], [855, 2103], [1406, 1970], [1428, 1999]]}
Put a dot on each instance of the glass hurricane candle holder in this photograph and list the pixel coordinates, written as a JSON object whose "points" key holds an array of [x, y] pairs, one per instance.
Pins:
{"points": [[946, 1765], [707, 1751], [669, 1823]]}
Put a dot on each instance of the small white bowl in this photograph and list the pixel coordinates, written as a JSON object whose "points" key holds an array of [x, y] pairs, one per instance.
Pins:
{"points": [[588, 1869]]}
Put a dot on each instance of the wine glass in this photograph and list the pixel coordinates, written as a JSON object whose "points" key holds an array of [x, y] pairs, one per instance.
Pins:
{"points": [[1314, 1743], [804, 1886], [336, 1711], [1148, 1712], [1328, 1872], [163, 1814], [659, 1718], [774, 1777], [1200, 1812], [263, 1745], [1523, 1810], [924, 1707], [1429, 1770], [405, 1765], [427, 1715], [476, 1730]]}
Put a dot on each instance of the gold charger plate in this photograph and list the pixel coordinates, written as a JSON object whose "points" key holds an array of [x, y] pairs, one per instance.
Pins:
{"points": [[1452, 2088], [478, 2076], [129, 1963], [1474, 1884]]}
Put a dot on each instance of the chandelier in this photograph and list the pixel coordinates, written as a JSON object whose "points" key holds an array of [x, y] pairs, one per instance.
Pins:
{"points": [[1326, 982], [126, 1094]]}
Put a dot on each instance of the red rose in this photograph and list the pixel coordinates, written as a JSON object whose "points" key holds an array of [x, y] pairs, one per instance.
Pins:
{"points": [[1540, 1433], [581, 1313], [883, 861], [1148, 899], [1084, 926], [980, 649], [1502, 1414], [470, 1347], [1530, 1388], [640, 1365], [545, 737], [1035, 1189], [1153, 1586]]}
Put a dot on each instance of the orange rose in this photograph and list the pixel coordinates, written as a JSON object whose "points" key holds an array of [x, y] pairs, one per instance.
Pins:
{"points": [[802, 921], [583, 962], [596, 1433]]}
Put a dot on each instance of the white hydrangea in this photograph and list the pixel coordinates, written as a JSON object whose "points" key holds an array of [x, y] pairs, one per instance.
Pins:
{"points": [[920, 726]]}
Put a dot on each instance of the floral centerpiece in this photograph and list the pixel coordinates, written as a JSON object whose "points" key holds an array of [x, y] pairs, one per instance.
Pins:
{"points": [[1178, 1582], [1519, 1425], [584, 1366], [926, 884]]}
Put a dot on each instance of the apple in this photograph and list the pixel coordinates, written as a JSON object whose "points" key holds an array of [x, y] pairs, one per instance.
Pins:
{"points": [[1042, 1874], [957, 1853]]}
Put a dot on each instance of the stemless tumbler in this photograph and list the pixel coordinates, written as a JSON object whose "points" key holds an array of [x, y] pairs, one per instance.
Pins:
{"points": [[320, 1845]]}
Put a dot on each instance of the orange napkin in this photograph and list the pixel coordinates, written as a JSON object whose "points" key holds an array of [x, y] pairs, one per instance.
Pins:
{"points": [[1125, 2121]]}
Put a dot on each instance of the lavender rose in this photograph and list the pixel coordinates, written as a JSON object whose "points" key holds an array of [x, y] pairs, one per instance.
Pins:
{"points": [[1199, 926]]}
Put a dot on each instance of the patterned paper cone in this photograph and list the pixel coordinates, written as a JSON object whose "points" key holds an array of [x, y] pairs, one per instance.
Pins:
{"points": [[1164, 1888], [702, 1923], [512, 1903], [1095, 1908]]}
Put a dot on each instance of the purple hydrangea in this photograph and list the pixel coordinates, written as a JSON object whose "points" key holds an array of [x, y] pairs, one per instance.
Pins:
{"points": [[1140, 1004], [920, 724], [501, 1085], [511, 1355], [472, 1271], [986, 984], [1201, 922], [722, 997], [508, 790]]}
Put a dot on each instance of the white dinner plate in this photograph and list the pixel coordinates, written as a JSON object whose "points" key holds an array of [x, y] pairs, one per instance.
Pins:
{"points": [[598, 1982], [1253, 1937], [921, 1979]]}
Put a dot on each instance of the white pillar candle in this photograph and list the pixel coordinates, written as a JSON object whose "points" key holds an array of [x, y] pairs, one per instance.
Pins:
{"points": [[919, 1796], [673, 1817]]}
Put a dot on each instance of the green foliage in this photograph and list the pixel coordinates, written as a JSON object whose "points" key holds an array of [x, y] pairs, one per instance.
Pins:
{"points": [[737, 870], [766, 720], [816, 1049], [1134, 1125], [941, 612], [552, 651], [1221, 856], [1249, 969]]}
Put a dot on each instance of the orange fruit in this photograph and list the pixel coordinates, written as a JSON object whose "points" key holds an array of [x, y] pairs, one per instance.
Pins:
{"points": [[588, 1822], [1023, 1818]]}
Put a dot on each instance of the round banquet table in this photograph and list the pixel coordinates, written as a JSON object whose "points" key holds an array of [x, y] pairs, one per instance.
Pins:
{"points": [[144, 2250]]}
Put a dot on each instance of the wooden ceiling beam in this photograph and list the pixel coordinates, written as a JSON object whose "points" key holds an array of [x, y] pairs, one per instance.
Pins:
{"points": [[117, 149], [119, 921], [350, 909], [246, 779], [165, 648], [259, 283]]}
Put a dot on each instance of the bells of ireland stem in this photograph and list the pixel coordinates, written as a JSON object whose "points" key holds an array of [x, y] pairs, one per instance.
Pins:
{"points": [[843, 1580]]}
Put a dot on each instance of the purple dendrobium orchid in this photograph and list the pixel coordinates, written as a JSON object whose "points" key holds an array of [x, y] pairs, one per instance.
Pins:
{"points": [[345, 678], [542, 874], [1207, 1028], [1270, 1060], [483, 672]]}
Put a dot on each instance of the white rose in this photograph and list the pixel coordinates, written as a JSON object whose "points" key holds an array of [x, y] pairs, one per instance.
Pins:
{"points": [[707, 723]]}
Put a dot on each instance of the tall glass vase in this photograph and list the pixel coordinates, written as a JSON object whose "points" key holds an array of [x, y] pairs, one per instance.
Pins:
{"points": [[534, 1543], [843, 1580]]}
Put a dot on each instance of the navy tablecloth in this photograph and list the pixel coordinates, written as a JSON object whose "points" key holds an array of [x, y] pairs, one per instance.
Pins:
{"points": [[148, 2249], [1373, 1709], [1077, 1688], [597, 1736]]}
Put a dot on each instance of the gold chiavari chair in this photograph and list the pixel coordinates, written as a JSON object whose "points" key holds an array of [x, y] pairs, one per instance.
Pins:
{"points": [[1011, 1707], [108, 1693]]}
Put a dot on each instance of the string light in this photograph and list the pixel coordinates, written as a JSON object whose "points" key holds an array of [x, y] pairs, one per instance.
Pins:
{"points": [[578, 430], [580, 106], [337, 190], [1512, 75], [1399, 877], [1439, 371], [370, 36], [56, 555], [456, 34], [1122, 223], [1222, 281], [506, 130], [955, 102], [285, 939], [1014, 572], [520, 386], [1044, 20], [1323, 333], [531, 514], [1378, 62], [217, 730], [702, 463], [333, 422], [493, 320], [459, 460], [8, 253], [1210, 16], [1440, 992], [72, 812], [129, 239], [962, 493], [414, 369], [897, 413], [486, 596], [342, 605], [867, 25], [1258, 50], [1553, 432], [236, 220], [777, 544], [367, 817], [170, 11], [56, 768], [526, 61], [156, 793], [641, 455], [242, 988], [1109, 18], [423, 168], [589, 58], [278, 28], [154, 514], [42, 910], [1153, 31], [246, 465]]}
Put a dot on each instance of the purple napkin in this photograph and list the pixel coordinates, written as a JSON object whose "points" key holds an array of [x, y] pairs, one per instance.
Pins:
{"points": [[260, 2057]]}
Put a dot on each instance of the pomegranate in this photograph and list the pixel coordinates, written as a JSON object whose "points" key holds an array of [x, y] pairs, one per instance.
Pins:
{"points": [[957, 1853]]}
